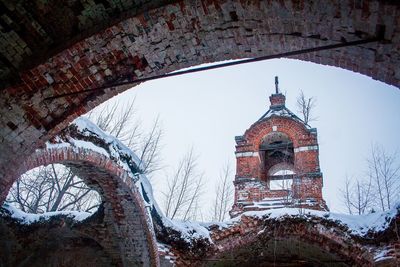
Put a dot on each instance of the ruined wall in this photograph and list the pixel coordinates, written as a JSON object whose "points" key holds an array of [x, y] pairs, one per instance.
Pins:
{"points": [[292, 238]]}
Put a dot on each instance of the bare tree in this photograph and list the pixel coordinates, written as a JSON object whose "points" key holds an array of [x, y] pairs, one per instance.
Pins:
{"points": [[306, 106], [346, 195], [357, 196], [384, 171], [52, 188], [121, 122], [379, 189], [224, 194], [184, 189], [149, 150]]}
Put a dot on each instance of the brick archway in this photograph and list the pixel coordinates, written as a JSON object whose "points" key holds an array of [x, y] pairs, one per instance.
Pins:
{"points": [[296, 131], [301, 241], [172, 36], [125, 230], [293, 129]]}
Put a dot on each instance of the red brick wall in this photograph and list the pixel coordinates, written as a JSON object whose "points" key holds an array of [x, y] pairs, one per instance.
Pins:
{"points": [[247, 167], [307, 161], [277, 99], [295, 130]]}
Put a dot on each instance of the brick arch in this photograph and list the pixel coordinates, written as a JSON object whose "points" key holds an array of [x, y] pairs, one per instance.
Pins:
{"points": [[296, 131], [149, 41], [107, 166], [130, 229], [251, 233]]}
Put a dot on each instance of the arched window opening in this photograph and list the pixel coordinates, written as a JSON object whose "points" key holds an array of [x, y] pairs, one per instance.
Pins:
{"points": [[277, 156], [52, 188], [277, 159]]}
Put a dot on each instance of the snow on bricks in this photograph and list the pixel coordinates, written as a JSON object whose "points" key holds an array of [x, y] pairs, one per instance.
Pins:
{"points": [[122, 226], [287, 236]]}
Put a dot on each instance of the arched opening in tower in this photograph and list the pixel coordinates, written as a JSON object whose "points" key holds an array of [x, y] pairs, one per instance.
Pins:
{"points": [[277, 163]]}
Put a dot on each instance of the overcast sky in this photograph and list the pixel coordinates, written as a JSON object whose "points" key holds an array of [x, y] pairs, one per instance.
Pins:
{"points": [[207, 110]]}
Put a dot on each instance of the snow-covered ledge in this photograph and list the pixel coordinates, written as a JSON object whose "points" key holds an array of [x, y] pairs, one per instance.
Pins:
{"points": [[21, 217], [362, 239]]}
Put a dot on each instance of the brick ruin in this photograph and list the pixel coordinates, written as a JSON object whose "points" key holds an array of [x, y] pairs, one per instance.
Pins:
{"points": [[130, 230], [277, 162], [296, 240], [50, 48]]}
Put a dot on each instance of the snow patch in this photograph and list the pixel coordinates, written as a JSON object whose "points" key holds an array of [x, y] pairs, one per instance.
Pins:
{"points": [[283, 172], [189, 230], [29, 218], [116, 149], [382, 255], [358, 225], [88, 145]]}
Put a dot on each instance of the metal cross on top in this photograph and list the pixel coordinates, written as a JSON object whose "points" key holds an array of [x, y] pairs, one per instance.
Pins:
{"points": [[276, 85]]}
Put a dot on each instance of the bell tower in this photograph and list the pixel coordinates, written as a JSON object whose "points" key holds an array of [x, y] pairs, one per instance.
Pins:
{"points": [[277, 162]]}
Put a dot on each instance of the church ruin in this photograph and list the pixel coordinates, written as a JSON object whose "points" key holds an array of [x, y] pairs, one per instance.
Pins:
{"points": [[60, 59], [278, 162]]}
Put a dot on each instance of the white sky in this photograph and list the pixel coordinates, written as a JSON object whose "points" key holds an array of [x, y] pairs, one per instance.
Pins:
{"points": [[207, 110]]}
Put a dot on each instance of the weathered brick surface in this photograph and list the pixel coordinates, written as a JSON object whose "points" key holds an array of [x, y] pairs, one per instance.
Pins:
{"points": [[124, 230], [252, 236], [253, 169], [301, 240], [84, 45]]}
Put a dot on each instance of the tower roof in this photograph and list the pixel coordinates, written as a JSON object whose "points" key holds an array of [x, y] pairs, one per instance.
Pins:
{"points": [[278, 108]]}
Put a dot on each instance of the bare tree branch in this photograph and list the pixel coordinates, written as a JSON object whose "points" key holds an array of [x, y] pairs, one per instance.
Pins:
{"points": [[384, 170], [306, 106], [357, 195], [45, 189], [184, 189], [379, 189], [123, 123], [224, 194]]}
